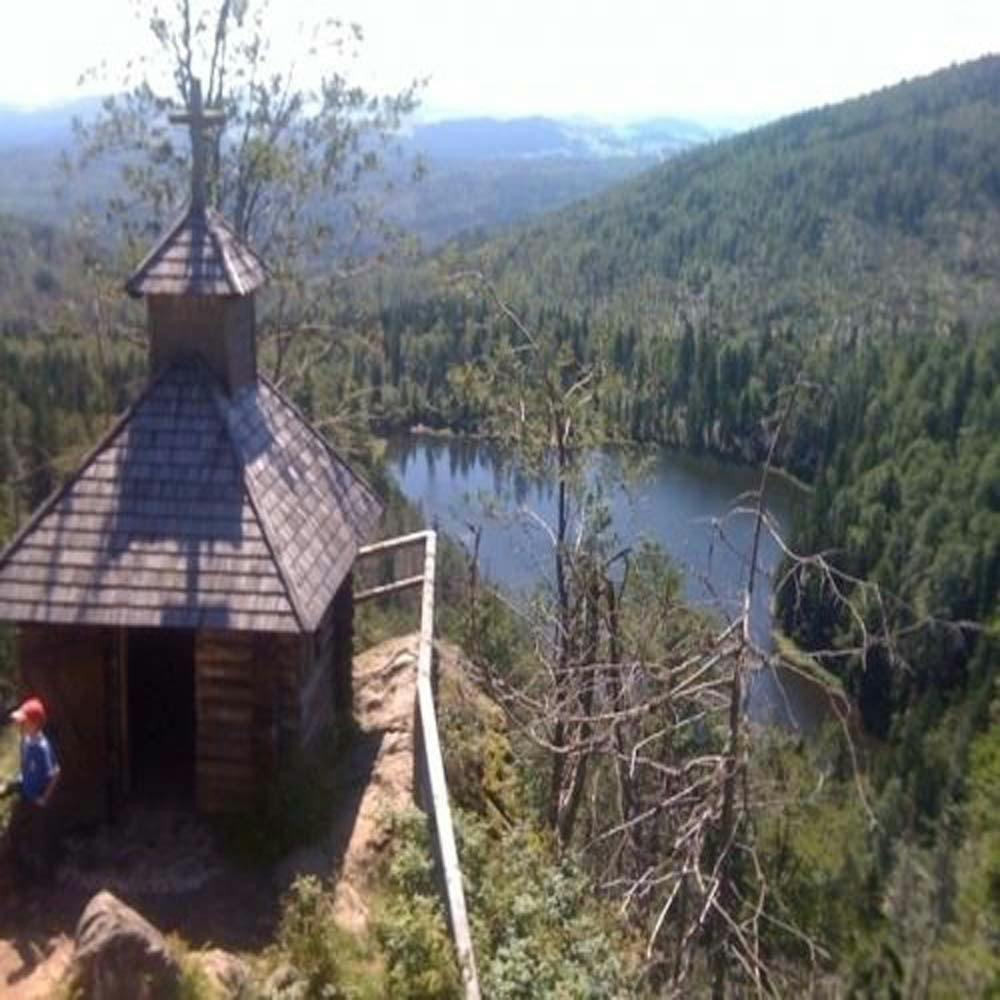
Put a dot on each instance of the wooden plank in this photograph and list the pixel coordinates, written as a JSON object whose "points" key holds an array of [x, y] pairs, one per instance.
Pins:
{"points": [[225, 793], [391, 544], [235, 655], [222, 643], [224, 751], [389, 588], [318, 687], [215, 713], [313, 725], [431, 748], [230, 748], [235, 694], [224, 672], [218, 802], [222, 773]]}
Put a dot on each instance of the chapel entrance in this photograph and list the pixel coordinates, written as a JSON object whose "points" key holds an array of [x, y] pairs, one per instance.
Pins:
{"points": [[161, 713]]}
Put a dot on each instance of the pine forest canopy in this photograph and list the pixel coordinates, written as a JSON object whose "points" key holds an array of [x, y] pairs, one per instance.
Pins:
{"points": [[854, 249], [707, 281]]}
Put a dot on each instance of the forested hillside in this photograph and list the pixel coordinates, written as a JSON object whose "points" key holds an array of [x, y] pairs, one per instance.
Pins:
{"points": [[711, 281], [36, 264], [875, 214], [477, 197], [480, 175], [909, 496]]}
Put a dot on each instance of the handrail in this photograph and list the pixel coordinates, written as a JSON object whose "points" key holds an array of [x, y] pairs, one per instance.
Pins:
{"points": [[431, 745]]}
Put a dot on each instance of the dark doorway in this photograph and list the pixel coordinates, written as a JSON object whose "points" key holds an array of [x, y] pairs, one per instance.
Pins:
{"points": [[161, 713]]}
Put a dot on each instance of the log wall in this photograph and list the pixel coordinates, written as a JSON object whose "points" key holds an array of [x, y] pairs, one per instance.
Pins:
{"points": [[248, 713], [259, 697], [326, 689], [68, 668]]}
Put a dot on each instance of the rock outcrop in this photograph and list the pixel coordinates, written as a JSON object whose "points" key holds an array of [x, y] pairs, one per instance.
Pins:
{"points": [[119, 955]]}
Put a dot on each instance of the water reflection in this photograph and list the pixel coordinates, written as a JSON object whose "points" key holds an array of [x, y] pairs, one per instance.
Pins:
{"points": [[683, 502]]}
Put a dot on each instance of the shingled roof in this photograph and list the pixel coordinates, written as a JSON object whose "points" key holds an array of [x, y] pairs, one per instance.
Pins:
{"points": [[198, 509], [200, 255]]}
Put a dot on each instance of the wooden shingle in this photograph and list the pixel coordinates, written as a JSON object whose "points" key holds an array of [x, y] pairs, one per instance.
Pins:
{"points": [[199, 255], [198, 509]]}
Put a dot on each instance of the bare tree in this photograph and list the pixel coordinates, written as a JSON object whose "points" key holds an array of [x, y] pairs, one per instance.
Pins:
{"points": [[539, 402]]}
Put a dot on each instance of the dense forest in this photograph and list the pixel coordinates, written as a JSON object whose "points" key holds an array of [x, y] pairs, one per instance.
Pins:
{"points": [[734, 264], [848, 251]]}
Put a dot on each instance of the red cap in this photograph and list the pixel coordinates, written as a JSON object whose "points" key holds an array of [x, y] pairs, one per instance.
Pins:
{"points": [[31, 710]]}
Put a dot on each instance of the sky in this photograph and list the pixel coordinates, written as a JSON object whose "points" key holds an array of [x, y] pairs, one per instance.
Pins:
{"points": [[726, 62]]}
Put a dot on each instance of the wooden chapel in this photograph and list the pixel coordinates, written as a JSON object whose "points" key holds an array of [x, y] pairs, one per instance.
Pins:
{"points": [[183, 603]]}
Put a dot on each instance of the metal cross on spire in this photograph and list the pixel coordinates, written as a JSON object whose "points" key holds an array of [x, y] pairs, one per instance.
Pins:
{"points": [[199, 120]]}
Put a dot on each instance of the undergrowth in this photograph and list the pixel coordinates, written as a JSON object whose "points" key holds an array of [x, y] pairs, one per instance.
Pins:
{"points": [[540, 929], [407, 954], [314, 957], [409, 919]]}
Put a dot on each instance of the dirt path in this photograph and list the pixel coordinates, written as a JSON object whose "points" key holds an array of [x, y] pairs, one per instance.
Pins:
{"points": [[32, 970], [380, 768]]}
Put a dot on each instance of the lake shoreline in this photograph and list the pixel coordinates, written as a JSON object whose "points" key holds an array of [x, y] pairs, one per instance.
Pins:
{"points": [[647, 448], [681, 502]]}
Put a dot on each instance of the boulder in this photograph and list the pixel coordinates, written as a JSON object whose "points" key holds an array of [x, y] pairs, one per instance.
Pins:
{"points": [[229, 975], [119, 955]]}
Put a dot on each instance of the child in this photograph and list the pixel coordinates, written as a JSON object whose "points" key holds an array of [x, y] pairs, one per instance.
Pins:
{"points": [[30, 826]]}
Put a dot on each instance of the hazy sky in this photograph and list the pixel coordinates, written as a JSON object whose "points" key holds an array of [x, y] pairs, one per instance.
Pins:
{"points": [[711, 59]]}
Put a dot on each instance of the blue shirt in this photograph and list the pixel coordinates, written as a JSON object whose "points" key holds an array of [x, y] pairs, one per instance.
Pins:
{"points": [[38, 766]]}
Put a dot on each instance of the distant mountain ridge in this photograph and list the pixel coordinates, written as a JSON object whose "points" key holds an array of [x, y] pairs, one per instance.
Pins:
{"points": [[537, 136], [483, 173], [470, 138]]}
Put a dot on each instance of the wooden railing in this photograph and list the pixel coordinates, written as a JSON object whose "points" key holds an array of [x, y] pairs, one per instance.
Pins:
{"points": [[427, 744]]}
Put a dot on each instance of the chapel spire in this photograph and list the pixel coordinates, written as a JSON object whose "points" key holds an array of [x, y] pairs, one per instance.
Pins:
{"points": [[200, 278]]}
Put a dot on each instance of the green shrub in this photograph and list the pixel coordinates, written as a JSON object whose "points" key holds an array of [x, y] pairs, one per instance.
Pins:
{"points": [[410, 926], [195, 983], [540, 930], [296, 808], [330, 963], [418, 950]]}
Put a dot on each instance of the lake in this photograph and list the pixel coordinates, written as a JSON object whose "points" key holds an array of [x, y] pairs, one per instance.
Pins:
{"points": [[679, 500]]}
